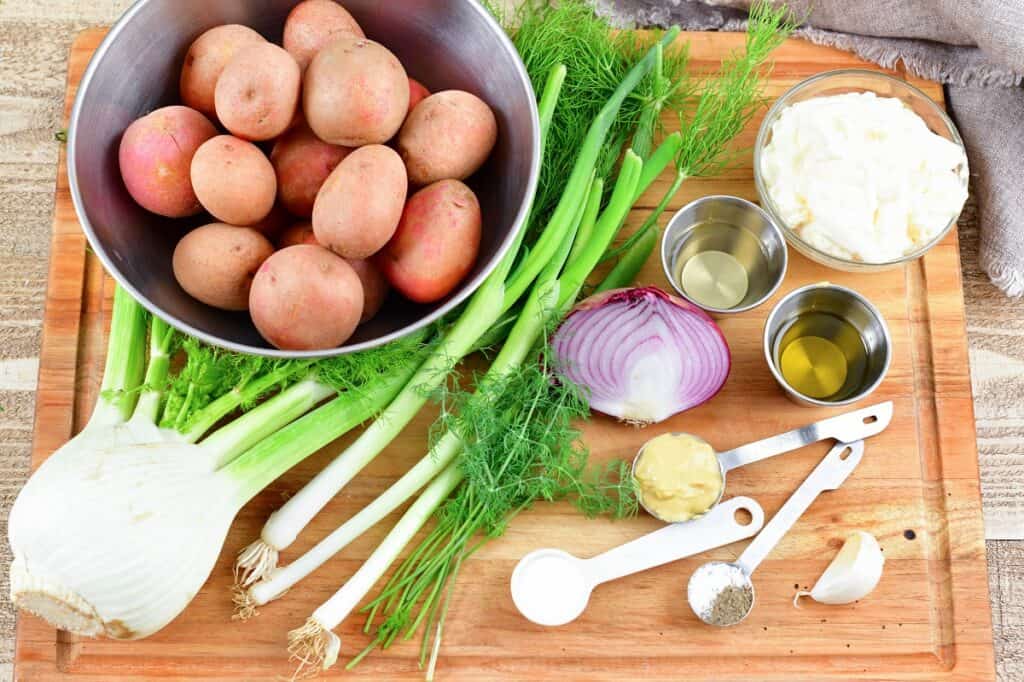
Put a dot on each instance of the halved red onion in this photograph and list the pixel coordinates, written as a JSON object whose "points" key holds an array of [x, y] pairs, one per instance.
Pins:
{"points": [[642, 355]]}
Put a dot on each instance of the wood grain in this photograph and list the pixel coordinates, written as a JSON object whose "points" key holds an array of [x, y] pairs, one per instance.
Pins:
{"points": [[929, 620]]}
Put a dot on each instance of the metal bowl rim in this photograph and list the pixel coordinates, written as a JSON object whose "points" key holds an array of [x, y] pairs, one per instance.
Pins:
{"points": [[468, 288]]}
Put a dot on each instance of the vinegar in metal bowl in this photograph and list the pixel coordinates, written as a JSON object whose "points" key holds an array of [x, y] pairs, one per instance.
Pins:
{"points": [[720, 265]]}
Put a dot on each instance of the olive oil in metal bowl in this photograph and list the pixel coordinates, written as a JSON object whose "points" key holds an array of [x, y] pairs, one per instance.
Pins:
{"points": [[827, 345]]}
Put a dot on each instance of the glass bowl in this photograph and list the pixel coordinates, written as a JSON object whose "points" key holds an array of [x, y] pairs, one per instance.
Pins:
{"points": [[836, 83]]}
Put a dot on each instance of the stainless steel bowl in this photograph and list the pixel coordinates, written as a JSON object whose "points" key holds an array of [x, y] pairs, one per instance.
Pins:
{"points": [[848, 306], [734, 226], [443, 43], [839, 82]]}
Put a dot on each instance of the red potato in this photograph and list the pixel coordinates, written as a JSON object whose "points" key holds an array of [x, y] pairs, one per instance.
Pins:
{"points": [[417, 93], [155, 157], [358, 208], [306, 298], [355, 93], [313, 25], [216, 264], [303, 163], [437, 242], [447, 136], [300, 233], [206, 59], [234, 180], [275, 223], [375, 288], [257, 94]]}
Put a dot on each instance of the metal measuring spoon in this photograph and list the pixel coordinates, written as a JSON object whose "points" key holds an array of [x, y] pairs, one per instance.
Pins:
{"points": [[846, 428], [553, 587], [714, 577]]}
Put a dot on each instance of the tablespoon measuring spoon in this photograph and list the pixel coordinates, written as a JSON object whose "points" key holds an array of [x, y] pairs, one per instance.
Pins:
{"points": [[846, 428], [714, 577], [552, 587]]}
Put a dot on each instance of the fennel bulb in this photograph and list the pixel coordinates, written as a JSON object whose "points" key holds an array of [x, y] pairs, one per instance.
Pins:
{"points": [[118, 530], [116, 540]]}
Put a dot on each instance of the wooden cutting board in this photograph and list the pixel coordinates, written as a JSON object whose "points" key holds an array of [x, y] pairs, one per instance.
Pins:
{"points": [[916, 490]]}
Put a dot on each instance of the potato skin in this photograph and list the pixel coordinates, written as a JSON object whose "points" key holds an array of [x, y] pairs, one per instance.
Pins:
{"points": [[275, 223], [299, 233], [437, 242], [358, 208], [306, 298], [257, 94], [206, 59], [355, 93], [417, 93], [375, 288], [448, 135], [216, 264], [303, 163], [234, 180], [155, 157], [313, 25]]}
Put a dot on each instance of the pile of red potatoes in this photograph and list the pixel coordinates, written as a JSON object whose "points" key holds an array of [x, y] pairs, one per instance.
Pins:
{"points": [[311, 237]]}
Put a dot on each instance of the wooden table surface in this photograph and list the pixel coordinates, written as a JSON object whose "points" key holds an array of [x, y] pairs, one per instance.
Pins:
{"points": [[34, 39]]}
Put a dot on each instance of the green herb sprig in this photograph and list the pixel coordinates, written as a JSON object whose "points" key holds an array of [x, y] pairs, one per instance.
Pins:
{"points": [[711, 112]]}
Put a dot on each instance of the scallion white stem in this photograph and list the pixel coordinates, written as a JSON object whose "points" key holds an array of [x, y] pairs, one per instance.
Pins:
{"points": [[286, 577], [315, 644]]}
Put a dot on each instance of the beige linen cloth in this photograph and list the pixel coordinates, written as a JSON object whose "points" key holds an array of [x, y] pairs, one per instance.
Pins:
{"points": [[975, 47]]}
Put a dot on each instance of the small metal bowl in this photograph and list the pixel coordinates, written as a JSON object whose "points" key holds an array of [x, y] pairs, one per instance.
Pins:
{"points": [[847, 305], [837, 82], [447, 44], [734, 226]]}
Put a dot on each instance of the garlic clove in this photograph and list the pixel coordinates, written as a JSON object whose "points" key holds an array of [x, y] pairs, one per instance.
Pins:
{"points": [[853, 574]]}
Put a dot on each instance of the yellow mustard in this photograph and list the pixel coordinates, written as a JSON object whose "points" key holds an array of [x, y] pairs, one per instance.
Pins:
{"points": [[677, 477]]}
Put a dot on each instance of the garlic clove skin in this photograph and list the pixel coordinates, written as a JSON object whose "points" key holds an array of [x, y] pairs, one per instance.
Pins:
{"points": [[853, 574]]}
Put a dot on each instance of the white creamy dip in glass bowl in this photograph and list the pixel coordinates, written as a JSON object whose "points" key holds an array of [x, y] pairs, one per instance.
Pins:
{"points": [[861, 170]]}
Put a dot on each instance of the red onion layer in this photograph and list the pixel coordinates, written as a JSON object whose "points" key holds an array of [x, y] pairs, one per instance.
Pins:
{"points": [[642, 355]]}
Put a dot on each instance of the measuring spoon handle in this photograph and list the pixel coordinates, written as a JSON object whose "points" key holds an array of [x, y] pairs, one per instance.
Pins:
{"points": [[837, 466], [845, 428], [717, 528]]}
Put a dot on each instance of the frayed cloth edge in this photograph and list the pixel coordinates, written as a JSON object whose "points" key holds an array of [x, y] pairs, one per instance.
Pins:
{"points": [[1007, 276], [888, 56]]}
